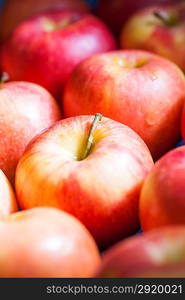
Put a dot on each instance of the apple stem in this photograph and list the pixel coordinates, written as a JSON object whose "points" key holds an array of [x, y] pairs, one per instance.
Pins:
{"points": [[4, 77], [166, 21], [90, 138]]}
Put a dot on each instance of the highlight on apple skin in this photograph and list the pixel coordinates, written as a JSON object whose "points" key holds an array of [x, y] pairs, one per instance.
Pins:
{"points": [[162, 198], [137, 88], [46, 242], [8, 202], [25, 110], [157, 253], [100, 187], [45, 49]]}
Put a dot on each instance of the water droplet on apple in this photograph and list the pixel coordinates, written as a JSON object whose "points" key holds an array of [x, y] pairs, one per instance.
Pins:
{"points": [[153, 77], [150, 120]]}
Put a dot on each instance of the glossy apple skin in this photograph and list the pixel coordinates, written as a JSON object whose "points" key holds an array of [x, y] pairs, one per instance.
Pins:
{"points": [[25, 110], [101, 190], [142, 90], [162, 199], [37, 53], [158, 253], [8, 202], [16, 11], [147, 32], [46, 242], [116, 13]]}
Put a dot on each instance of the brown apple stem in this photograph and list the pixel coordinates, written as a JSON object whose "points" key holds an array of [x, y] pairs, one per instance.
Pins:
{"points": [[4, 77], [90, 138], [162, 17]]}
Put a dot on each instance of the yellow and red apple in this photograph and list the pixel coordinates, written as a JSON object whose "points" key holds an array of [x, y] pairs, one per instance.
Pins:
{"points": [[158, 253], [139, 89], [8, 202], [116, 12], [45, 242], [45, 49], [159, 29], [162, 199], [25, 110], [99, 185]]}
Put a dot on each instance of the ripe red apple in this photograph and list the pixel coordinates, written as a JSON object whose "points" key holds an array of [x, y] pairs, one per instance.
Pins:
{"points": [[16, 11], [46, 242], [25, 110], [116, 12], [8, 202], [162, 199], [158, 253], [142, 90], [159, 29], [98, 181], [46, 48]]}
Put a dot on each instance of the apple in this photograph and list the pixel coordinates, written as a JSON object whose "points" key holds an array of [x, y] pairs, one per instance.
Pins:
{"points": [[157, 253], [16, 11], [116, 13], [25, 110], [8, 202], [140, 89], [90, 167], [159, 29], [46, 48], [162, 199], [46, 242]]}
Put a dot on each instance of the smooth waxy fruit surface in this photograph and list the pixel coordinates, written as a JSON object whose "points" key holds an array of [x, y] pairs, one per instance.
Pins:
{"points": [[100, 189]]}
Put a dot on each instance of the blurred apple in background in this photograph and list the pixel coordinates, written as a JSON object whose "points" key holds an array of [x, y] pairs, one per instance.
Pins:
{"points": [[99, 185], [162, 200], [137, 88], [25, 110], [116, 12], [159, 29], [46, 48], [45, 242], [8, 202], [16, 11], [159, 253]]}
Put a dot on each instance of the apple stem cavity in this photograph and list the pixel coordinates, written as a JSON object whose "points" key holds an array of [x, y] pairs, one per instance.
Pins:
{"points": [[166, 19], [4, 77], [90, 138]]}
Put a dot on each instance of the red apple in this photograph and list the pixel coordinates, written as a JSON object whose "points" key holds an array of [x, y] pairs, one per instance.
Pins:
{"points": [[8, 202], [159, 29], [158, 253], [142, 90], [116, 12], [25, 110], [99, 185], [46, 242], [46, 48], [16, 11], [162, 200]]}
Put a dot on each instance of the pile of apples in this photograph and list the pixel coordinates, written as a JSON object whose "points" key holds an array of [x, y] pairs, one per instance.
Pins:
{"points": [[92, 105]]}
